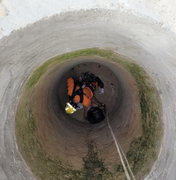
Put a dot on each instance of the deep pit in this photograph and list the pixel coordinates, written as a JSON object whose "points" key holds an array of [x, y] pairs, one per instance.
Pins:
{"points": [[59, 146]]}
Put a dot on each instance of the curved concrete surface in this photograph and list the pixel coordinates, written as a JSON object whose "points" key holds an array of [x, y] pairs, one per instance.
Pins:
{"points": [[66, 136], [142, 40]]}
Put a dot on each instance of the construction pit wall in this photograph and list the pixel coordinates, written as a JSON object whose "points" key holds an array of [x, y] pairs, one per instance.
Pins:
{"points": [[142, 31], [19, 14]]}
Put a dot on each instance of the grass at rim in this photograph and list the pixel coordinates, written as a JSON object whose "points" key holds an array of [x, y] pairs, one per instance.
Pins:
{"points": [[37, 74], [143, 151]]}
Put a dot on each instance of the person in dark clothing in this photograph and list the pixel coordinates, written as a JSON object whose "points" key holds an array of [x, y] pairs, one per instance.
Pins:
{"points": [[96, 112]]}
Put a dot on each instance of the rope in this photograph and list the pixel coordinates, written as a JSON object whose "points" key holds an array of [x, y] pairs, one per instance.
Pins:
{"points": [[126, 161], [119, 149]]}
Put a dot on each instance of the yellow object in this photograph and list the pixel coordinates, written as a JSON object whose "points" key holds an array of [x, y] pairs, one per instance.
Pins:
{"points": [[69, 108]]}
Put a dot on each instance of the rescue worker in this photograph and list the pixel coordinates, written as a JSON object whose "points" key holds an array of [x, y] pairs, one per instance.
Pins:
{"points": [[82, 92], [96, 113]]}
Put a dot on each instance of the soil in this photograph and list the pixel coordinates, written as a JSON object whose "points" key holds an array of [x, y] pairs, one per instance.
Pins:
{"points": [[67, 136]]}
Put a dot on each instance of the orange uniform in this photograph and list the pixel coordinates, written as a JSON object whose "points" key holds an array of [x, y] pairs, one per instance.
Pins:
{"points": [[87, 92]]}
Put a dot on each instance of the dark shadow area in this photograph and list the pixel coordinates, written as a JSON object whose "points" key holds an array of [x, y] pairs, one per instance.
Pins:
{"points": [[110, 98]]}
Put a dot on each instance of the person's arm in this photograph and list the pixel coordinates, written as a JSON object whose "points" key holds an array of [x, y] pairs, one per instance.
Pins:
{"points": [[95, 102], [86, 109], [85, 112]]}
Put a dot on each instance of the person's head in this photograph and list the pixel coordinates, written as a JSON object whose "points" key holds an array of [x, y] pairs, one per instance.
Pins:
{"points": [[70, 107], [95, 115]]}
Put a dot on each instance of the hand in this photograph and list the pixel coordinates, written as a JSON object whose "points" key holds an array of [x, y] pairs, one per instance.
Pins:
{"points": [[101, 90], [102, 104], [103, 107]]}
